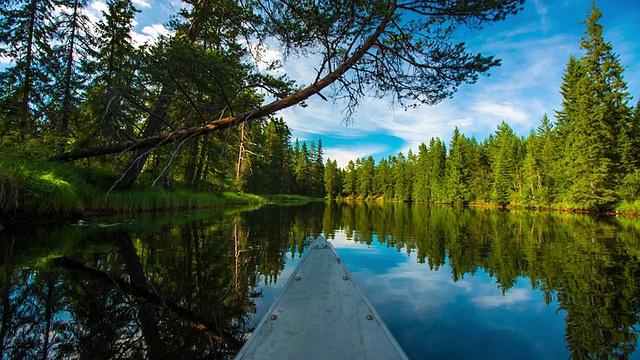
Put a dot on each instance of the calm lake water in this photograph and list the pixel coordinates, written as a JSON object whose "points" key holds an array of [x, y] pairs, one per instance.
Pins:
{"points": [[449, 282]]}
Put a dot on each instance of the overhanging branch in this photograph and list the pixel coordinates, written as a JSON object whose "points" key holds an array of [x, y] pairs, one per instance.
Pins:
{"points": [[271, 108]]}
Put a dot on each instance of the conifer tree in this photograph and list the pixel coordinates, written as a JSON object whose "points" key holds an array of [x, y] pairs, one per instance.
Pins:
{"points": [[438, 170], [73, 51], [303, 172], [272, 170], [350, 180], [422, 176], [411, 169], [365, 177], [596, 108], [332, 181], [507, 156], [457, 169], [566, 122], [402, 189], [318, 170], [531, 170], [547, 154], [479, 171], [383, 185], [113, 93], [26, 31]]}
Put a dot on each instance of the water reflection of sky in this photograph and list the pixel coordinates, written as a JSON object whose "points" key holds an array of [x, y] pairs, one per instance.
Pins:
{"points": [[433, 317]]}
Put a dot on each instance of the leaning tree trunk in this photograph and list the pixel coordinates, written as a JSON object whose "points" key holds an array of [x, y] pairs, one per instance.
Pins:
{"points": [[153, 124], [143, 145], [159, 114]]}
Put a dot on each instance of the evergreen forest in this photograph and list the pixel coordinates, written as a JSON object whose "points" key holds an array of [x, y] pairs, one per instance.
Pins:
{"points": [[588, 159]]}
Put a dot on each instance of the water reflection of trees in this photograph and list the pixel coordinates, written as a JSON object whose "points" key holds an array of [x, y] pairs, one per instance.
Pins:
{"points": [[178, 289], [591, 267], [181, 290]]}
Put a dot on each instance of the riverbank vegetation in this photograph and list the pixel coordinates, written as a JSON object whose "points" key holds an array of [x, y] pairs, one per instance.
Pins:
{"points": [[587, 160], [42, 189]]}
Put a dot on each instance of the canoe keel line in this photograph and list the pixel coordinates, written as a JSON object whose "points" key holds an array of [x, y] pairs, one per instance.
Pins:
{"points": [[321, 314]]}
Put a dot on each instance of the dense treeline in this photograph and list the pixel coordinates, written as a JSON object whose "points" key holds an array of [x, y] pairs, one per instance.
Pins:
{"points": [[588, 159], [281, 168]]}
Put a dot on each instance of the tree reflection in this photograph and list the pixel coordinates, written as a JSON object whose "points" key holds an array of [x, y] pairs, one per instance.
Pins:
{"points": [[590, 267], [183, 288], [178, 289]]}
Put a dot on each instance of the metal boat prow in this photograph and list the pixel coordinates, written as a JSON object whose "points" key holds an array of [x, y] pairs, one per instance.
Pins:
{"points": [[321, 314]]}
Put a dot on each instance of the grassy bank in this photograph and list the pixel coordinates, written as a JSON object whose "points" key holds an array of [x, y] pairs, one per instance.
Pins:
{"points": [[44, 190]]}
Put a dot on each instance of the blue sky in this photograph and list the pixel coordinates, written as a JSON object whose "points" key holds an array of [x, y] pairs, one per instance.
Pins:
{"points": [[534, 46]]}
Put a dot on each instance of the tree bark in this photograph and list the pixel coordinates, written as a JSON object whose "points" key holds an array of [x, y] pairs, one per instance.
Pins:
{"points": [[153, 125]]}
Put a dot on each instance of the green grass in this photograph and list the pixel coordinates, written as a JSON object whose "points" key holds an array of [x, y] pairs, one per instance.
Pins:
{"points": [[37, 188], [32, 188], [157, 199], [42, 189]]}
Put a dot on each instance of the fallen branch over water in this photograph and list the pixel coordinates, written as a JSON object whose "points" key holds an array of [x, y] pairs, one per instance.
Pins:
{"points": [[153, 300]]}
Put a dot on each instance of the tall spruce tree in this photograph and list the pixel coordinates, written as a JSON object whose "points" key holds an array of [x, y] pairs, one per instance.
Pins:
{"points": [[457, 169], [566, 123], [113, 93], [365, 178], [27, 29], [595, 108], [547, 148], [382, 183], [402, 188], [73, 51], [479, 171], [506, 165], [318, 170], [438, 170], [332, 183], [350, 180], [303, 173], [272, 170], [422, 176]]}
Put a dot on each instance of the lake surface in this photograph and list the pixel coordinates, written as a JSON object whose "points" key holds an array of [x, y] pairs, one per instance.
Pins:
{"points": [[449, 282]]}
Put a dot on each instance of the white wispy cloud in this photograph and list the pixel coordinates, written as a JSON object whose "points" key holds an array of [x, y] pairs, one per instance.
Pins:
{"points": [[342, 154], [512, 298], [141, 4], [95, 11], [149, 34]]}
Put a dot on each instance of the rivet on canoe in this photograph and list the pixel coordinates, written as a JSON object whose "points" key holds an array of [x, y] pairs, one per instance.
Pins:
{"points": [[345, 278], [274, 316], [369, 317], [325, 246], [315, 246], [298, 278]]}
